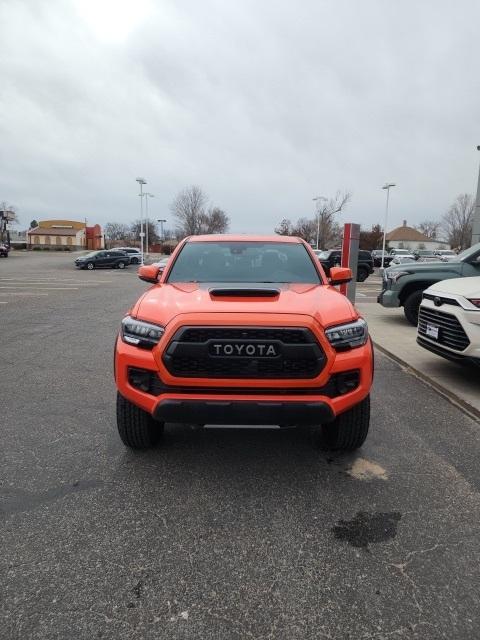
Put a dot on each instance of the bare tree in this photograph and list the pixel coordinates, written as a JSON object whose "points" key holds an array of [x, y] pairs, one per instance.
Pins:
{"points": [[458, 221], [284, 228], [192, 218], [328, 229], [6, 206], [372, 239], [304, 228], [215, 220], [136, 228], [430, 228], [117, 231], [188, 209]]}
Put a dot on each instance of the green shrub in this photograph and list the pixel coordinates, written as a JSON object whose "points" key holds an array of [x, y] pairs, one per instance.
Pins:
{"points": [[36, 248], [46, 248], [66, 248]]}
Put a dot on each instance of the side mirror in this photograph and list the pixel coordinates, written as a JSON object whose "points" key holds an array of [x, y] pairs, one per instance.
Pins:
{"points": [[149, 273], [340, 275]]}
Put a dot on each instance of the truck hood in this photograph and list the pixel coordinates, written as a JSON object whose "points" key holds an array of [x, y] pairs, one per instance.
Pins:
{"points": [[426, 267], [467, 287], [163, 302]]}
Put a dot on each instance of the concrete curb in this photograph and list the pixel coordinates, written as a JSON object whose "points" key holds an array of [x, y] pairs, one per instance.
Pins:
{"points": [[466, 407]]}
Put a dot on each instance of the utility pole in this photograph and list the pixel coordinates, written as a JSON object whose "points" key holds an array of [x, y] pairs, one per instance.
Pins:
{"points": [[386, 186], [141, 182], [476, 215], [147, 196], [161, 221]]}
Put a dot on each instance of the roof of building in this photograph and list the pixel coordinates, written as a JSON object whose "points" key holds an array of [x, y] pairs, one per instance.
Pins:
{"points": [[408, 234], [49, 231]]}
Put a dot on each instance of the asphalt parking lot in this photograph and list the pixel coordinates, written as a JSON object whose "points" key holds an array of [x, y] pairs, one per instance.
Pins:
{"points": [[218, 533]]}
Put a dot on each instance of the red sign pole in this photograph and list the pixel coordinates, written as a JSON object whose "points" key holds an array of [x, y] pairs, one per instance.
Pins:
{"points": [[351, 237]]}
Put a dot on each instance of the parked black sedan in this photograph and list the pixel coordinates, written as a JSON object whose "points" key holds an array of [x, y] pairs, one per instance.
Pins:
{"points": [[98, 259]]}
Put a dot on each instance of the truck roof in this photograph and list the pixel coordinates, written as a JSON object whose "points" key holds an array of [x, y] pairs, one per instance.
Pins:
{"points": [[223, 237]]}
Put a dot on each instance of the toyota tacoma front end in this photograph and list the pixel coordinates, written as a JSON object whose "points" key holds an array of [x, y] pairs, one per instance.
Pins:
{"points": [[247, 331]]}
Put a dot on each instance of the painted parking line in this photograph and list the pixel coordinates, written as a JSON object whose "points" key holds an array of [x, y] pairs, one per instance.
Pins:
{"points": [[34, 283], [23, 293], [95, 283], [45, 288]]}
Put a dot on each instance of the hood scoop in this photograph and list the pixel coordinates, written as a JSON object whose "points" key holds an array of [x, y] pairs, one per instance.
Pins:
{"points": [[244, 292]]}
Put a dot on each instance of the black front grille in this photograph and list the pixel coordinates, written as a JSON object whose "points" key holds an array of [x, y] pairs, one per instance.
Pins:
{"points": [[450, 331], [299, 355], [441, 299]]}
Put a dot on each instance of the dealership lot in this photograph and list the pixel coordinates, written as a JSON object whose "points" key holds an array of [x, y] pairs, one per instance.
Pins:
{"points": [[219, 533]]}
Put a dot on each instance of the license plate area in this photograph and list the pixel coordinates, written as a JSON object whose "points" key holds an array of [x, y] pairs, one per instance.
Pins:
{"points": [[432, 331]]}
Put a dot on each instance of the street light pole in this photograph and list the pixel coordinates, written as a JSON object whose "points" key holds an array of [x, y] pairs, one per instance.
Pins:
{"points": [[476, 215], [147, 196], [386, 186], [317, 199], [141, 182]]}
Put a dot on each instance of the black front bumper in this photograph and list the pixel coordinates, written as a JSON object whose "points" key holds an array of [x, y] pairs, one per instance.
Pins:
{"points": [[249, 412]]}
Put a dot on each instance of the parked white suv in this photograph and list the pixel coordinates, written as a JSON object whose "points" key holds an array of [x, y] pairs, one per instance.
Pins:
{"points": [[133, 252], [449, 319]]}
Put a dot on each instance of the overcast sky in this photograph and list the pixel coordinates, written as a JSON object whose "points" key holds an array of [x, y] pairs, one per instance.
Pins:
{"points": [[263, 103]]}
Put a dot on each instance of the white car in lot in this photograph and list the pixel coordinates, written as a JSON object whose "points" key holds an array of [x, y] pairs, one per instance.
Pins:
{"points": [[449, 319], [133, 252]]}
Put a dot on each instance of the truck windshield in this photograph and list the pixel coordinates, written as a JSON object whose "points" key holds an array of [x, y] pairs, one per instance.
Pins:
{"points": [[245, 262]]}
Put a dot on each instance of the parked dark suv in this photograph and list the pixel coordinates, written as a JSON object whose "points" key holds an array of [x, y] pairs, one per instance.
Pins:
{"points": [[104, 258], [333, 258]]}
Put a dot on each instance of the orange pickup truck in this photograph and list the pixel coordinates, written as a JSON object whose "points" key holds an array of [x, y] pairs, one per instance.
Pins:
{"points": [[244, 330]]}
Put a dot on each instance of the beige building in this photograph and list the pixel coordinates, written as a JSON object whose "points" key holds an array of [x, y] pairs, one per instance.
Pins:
{"points": [[409, 238], [60, 233]]}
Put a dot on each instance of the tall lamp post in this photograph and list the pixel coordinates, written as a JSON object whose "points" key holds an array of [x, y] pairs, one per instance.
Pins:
{"points": [[141, 182], [318, 199], [386, 186], [147, 196], [161, 221], [476, 215]]}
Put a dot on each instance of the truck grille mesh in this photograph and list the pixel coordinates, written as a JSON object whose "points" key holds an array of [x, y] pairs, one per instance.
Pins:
{"points": [[188, 354]]}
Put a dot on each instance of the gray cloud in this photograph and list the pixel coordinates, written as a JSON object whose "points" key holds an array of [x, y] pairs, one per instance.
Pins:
{"points": [[264, 105]]}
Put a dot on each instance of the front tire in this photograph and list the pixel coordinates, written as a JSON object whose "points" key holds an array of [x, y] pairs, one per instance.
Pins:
{"points": [[411, 307], [121, 265], [362, 275], [136, 427], [90, 266], [349, 430]]}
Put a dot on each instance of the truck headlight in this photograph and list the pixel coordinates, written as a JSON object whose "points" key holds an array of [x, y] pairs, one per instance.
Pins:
{"points": [[396, 275], [140, 333], [347, 336]]}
